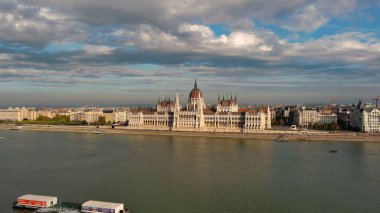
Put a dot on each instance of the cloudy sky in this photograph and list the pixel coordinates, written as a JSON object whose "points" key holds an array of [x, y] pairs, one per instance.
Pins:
{"points": [[120, 52]]}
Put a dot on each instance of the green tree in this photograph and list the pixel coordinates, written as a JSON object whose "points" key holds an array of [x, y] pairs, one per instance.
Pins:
{"points": [[42, 118], [102, 120]]}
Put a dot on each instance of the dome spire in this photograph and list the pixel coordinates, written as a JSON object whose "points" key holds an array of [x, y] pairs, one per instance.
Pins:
{"points": [[195, 83]]}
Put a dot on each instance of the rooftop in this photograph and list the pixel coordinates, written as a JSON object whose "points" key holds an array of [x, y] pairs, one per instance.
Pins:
{"points": [[101, 204], [36, 197]]}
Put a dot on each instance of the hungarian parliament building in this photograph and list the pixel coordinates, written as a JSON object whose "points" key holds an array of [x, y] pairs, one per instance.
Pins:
{"points": [[226, 116]]}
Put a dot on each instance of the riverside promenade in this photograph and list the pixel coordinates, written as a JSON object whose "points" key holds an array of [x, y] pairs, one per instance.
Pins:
{"points": [[295, 135]]}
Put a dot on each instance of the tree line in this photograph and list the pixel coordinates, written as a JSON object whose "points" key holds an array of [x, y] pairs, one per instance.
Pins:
{"points": [[56, 120]]}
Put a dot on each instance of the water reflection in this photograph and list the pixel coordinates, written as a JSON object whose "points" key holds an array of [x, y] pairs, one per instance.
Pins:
{"points": [[178, 174]]}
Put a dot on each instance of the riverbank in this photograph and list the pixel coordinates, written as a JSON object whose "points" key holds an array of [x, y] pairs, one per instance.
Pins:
{"points": [[311, 135]]}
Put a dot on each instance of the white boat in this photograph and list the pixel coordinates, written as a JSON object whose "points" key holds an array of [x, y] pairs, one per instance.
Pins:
{"points": [[97, 132], [93, 206], [16, 128]]}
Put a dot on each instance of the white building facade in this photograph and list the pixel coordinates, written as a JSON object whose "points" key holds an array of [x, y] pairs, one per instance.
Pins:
{"points": [[304, 117], [365, 119], [11, 114], [18, 114]]}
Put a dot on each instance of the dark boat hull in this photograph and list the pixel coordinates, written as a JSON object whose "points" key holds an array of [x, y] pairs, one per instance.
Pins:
{"points": [[16, 206]]}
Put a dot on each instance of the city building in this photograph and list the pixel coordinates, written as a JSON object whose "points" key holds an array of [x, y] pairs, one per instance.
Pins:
{"points": [[18, 114], [283, 113], [365, 118], [197, 116], [344, 118], [109, 115], [92, 115], [29, 114], [327, 116], [227, 105], [63, 111], [11, 114], [49, 113], [120, 116], [305, 116]]}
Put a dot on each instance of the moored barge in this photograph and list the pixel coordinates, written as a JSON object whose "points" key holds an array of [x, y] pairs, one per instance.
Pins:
{"points": [[48, 204], [30, 201]]}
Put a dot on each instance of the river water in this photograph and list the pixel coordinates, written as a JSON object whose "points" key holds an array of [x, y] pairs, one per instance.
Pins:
{"points": [[190, 174]]}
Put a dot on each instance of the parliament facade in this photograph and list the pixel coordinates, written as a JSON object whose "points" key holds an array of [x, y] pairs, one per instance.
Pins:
{"points": [[226, 116]]}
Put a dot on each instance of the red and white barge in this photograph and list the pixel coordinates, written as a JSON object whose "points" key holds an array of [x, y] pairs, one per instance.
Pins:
{"points": [[30, 201]]}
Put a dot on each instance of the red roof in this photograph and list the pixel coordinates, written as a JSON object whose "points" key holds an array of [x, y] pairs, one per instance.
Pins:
{"points": [[227, 103], [195, 93], [167, 103], [248, 110]]}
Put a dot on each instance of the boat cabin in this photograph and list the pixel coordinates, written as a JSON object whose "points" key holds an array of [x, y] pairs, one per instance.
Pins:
{"points": [[36, 201], [103, 207]]}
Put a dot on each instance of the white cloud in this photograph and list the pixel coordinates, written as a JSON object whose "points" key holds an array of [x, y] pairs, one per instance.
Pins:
{"points": [[308, 19], [98, 49], [149, 37], [338, 7], [196, 30], [5, 57], [198, 38], [48, 14], [170, 14], [350, 47], [27, 23], [243, 39]]}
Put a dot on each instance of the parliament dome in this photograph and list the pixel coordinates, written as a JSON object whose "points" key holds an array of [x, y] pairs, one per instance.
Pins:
{"points": [[195, 92]]}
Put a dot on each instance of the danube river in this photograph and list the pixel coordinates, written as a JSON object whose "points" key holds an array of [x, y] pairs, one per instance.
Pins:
{"points": [[190, 174]]}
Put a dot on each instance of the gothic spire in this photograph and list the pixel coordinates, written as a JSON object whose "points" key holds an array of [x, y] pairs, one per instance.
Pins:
{"points": [[195, 83], [176, 98]]}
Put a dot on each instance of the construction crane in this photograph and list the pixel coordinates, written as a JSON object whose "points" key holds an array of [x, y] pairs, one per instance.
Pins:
{"points": [[377, 101], [333, 100]]}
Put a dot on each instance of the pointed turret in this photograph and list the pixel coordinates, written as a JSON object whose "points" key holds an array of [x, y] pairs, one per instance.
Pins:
{"points": [[195, 83], [235, 97], [360, 104], [177, 106], [269, 119], [176, 98]]}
